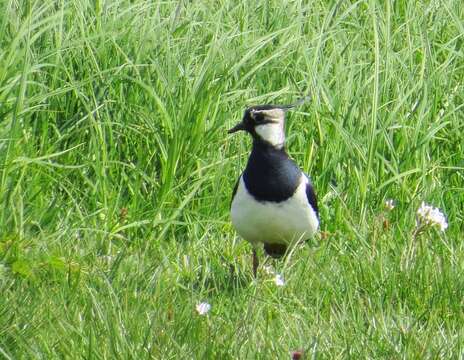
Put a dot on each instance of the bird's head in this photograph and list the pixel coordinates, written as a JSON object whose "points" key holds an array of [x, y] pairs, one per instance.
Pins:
{"points": [[265, 123]]}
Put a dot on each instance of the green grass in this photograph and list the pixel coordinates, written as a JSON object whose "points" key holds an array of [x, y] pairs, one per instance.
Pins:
{"points": [[116, 174]]}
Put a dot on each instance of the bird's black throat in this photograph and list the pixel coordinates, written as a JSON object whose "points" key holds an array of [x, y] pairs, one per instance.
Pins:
{"points": [[270, 174]]}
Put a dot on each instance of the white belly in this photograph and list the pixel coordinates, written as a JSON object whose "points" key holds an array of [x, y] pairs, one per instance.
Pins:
{"points": [[269, 222]]}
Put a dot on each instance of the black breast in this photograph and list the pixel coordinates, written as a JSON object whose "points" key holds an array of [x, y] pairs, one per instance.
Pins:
{"points": [[270, 174]]}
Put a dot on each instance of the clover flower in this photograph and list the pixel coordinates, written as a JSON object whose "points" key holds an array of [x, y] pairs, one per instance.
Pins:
{"points": [[429, 215], [296, 355], [279, 280], [203, 308]]}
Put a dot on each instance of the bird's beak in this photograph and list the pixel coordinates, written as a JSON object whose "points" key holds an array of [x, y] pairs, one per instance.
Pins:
{"points": [[238, 127]]}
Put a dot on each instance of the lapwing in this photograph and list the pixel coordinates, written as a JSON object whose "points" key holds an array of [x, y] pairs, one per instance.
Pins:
{"points": [[273, 203]]}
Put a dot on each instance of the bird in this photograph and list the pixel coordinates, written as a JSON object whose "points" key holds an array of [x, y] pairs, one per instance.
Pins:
{"points": [[274, 204]]}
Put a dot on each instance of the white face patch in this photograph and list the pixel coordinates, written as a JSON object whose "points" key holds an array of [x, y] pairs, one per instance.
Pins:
{"points": [[273, 133], [273, 130]]}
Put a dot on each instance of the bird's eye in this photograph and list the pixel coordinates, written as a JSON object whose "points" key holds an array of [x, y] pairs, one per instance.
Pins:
{"points": [[257, 116]]}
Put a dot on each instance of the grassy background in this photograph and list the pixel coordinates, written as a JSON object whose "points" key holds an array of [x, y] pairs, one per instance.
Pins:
{"points": [[116, 174]]}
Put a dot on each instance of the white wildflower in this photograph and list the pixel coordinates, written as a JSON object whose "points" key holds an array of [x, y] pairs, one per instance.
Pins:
{"points": [[279, 280], [203, 308], [429, 215], [389, 204]]}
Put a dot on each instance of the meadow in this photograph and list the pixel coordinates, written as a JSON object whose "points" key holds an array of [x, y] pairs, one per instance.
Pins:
{"points": [[116, 173]]}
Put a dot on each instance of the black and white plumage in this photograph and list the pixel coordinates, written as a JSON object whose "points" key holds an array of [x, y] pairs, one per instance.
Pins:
{"points": [[273, 204]]}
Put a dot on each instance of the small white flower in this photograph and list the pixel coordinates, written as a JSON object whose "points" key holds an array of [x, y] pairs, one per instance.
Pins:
{"points": [[431, 216], [389, 204], [203, 308], [279, 280]]}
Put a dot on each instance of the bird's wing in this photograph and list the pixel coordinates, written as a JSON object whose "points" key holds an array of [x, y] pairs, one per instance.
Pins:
{"points": [[311, 195]]}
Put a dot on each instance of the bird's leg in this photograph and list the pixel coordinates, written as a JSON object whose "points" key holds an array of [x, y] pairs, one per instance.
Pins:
{"points": [[255, 262]]}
